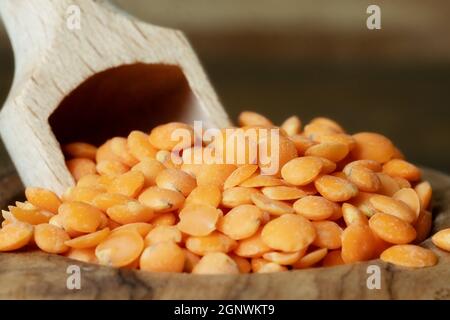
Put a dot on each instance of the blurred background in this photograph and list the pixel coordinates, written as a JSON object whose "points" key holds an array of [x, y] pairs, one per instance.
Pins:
{"points": [[317, 58]]}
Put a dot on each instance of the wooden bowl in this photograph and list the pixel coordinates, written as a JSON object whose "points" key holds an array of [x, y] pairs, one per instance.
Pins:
{"points": [[38, 275]]}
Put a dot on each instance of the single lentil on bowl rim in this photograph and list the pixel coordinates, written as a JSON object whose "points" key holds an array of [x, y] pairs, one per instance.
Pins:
{"points": [[336, 199]]}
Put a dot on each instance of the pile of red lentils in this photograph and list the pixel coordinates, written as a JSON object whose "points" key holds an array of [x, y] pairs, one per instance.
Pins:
{"points": [[336, 199]]}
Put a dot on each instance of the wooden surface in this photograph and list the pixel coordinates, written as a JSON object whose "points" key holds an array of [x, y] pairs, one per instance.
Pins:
{"points": [[43, 276], [53, 60]]}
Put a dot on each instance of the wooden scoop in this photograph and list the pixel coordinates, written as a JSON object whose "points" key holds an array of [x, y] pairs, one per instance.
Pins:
{"points": [[84, 71]]}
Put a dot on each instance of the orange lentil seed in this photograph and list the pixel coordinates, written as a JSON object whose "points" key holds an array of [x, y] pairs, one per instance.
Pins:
{"points": [[285, 152], [274, 207], [333, 258], [329, 123], [301, 171], [311, 259], [271, 267], [216, 263], [408, 255], [104, 221], [165, 158], [362, 203], [257, 263], [111, 167], [85, 255], [402, 182], [226, 147], [388, 185], [162, 137], [249, 118], [104, 153], [337, 214], [314, 207], [380, 245], [79, 216], [120, 248], [198, 219], [410, 197], [176, 180], [372, 165], [392, 229], [284, 258], [128, 184], [50, 238], [328, 235], [43, 199], [239, 175], [104, 201], [343, 138], [90, 180], [243, 264], [163, 257], [105, 181], [119, 146], [357, 243], [130, 212], [301, 143], [335, 189], [292, 125], [423, 226], [56, 220], [373, 146], [288, 233], [139, 146], [140, 227], [241, 222], [214, 174], [82, 194], [210, 195], [333, 151], [258, 181], [191, 168], [328, 165], [252, 247], [79, 167], [164, 219], [89, 240], [441, 239], [403, 169], [190, 260], [15, 235], [214, 242], [161, 200], [162, 234], [364, 178], [237, 196], [424, 192], [314, 130], [393, 207], [352, 214], [32, 216], [283, 193], [339, 174], [150, 168]]}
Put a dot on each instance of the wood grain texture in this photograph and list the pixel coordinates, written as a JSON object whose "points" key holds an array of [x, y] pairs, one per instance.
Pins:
{"points": [[52, 60], [43, 276]]}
